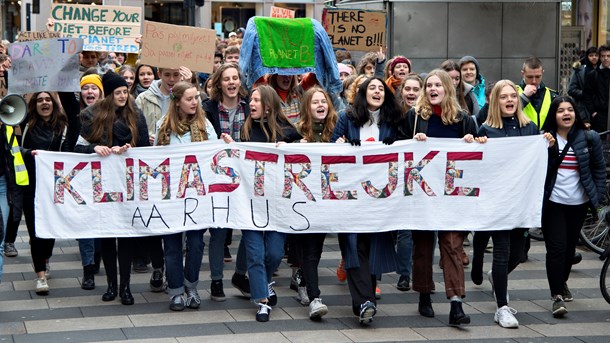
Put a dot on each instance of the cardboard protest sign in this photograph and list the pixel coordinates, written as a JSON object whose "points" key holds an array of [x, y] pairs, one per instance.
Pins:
{"points": [[279, 12], [286, 43], [45, 65], [172, 46], [355, 29], [28, 36], [103, 28]]}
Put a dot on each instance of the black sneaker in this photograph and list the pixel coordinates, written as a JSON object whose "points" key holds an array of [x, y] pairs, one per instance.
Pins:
{"points": [[156, 281], [228, 257], [567, 295], [216, 291], [559, 307], [296, 280], [272, 296], [262, 315], [241, 282], [367, 312], [403, 283]]}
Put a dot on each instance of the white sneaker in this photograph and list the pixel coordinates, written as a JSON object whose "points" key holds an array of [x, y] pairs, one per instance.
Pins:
{"points": [[42, 287], [317, 309], [505, 317], [302, 296], [493, 289]]}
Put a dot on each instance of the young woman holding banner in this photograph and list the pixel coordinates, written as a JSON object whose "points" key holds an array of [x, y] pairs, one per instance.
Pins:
{"points": [[227, 109], [505, 119], [374, 116], [184, 123], [438, 114], [264, 249], [318, 120], [46, 129], [575, 183], [111, 126]]}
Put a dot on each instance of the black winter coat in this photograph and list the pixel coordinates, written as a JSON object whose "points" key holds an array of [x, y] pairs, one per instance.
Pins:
{"points": [[591, 165]]}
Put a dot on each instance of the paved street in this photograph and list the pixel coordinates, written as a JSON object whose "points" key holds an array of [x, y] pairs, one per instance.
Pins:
{"points": [[70, 314]]}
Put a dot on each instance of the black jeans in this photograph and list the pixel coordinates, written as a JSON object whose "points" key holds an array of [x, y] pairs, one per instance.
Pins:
{"points": [[12, 226], [40, 248], [311, 247], [507, 252], [561, 226], [125, 255], [360, 280]]}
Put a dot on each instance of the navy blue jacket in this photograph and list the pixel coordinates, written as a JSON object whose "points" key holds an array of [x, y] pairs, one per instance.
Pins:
{"points": [[382, 256], [346, 127], [591, 165]]}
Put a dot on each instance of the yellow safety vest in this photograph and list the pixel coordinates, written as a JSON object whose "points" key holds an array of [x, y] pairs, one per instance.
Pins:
{"points": [[530, 111], [21, 173]]}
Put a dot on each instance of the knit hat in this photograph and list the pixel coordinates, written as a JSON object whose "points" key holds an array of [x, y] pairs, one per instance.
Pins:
{"points": [[468, 59], [344, 68], [93, 79], [399, 59], [112, 81]]}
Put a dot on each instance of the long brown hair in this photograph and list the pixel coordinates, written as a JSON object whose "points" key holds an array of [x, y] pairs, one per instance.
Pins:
{"points": [[58, 120], [272, 114], [172, 120], [305, 124], [449, 104], [450, 65], [216, 91], [105, 113]]}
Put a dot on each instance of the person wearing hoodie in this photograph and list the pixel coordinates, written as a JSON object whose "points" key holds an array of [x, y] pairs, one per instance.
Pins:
{"points": [[597, 86], [155, 100], [399, 68], [581, 68], [471, 74]]}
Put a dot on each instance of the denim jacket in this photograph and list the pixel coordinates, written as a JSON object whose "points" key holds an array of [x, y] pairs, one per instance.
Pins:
{"points": [[326, 70]]}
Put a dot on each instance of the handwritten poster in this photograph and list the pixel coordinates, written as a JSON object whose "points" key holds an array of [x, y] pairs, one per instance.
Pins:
{"points": [[45, 65], [279, 12], [356, 30], [103, 28], [27, 36], [172, 46], [286, 43]]}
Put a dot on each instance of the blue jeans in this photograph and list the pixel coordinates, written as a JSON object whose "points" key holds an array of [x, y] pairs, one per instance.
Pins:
{"points": [[264, 252], [216, 252], [4, 211], [87, 248], [404, 252], [179, 276]]}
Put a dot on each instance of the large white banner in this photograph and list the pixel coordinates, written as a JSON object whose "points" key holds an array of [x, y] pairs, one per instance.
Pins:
{"points": [[441, 184]]}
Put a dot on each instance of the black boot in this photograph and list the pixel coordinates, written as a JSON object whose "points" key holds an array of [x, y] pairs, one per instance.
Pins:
{"points": [[110, 292], [88, 282], [425, 305], [457, 315], [125, 294]]}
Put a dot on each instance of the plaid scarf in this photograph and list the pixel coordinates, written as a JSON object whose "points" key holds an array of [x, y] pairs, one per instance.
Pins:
{"points": [[232, 126]]}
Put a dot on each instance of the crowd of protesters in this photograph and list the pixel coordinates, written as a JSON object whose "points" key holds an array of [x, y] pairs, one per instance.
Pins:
{"points": [[124, 104]]}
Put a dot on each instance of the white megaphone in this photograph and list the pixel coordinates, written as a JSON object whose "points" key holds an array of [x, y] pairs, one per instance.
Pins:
{"points": [[13, 109]]}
